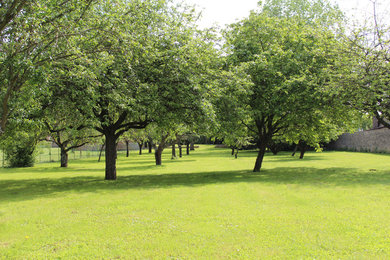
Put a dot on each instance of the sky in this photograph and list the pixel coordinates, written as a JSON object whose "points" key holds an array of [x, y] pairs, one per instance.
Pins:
{"points": [[223, 12]]}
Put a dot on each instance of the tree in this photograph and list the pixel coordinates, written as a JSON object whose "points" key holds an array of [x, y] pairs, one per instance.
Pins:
{"points": [[162, 136], [126, 137], [63, 123], [322, 126], [172, 133], [288, 61], [32, 35], [148, 69], [138, 136], [68, 132], [364, 68]]}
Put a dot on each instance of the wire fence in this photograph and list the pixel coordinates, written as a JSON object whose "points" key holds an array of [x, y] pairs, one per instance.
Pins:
{"points": [[53, 154], [46, 152]]}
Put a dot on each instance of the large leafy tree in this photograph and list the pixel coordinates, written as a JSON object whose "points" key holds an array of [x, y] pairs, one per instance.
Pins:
{"points": [[138, 136], [148, 68], [364, 68], [288, 60], [32, 35], [67, 128], [107, 85]]}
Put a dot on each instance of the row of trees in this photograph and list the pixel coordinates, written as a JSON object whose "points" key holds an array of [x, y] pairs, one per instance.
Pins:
{"points": [[289, 72]]}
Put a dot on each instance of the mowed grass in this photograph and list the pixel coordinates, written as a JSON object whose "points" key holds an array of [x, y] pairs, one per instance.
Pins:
{"points": [[203, 206]]}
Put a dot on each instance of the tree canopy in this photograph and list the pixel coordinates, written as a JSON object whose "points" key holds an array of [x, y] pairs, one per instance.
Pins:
{"points": [[288, 60]]}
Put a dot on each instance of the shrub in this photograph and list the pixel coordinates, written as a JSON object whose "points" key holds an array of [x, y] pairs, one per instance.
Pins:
{"points": [[20, 155], [19, 149]]}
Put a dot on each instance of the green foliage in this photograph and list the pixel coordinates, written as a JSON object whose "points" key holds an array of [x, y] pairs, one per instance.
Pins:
{"points": [[363, 68], [137, 62], [20, 154], [32, 36], [152, 65], [136, 135], [19, 147], [310, 11], [288, 52], [231, 89], [21, 137]]}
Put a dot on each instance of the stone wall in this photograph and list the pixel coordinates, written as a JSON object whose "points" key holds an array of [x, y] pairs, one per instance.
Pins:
{"points": [[376, 140]]}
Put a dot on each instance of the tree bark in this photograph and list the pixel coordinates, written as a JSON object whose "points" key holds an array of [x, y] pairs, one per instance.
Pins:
{"points": [[110, 155], [140, 146], [150, 146], [274, 148], [236, 154], [303, 150], [160, 149], [64, 157], [127, 148], [101, 151], [260, 157], [173, 151], [192, 146], [188, 148], [157, 154], [295, 150], [232, 151], [180, 151]]}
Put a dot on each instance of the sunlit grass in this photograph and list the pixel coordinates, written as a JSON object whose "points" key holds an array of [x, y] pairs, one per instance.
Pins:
{"points": [[206, 205]]}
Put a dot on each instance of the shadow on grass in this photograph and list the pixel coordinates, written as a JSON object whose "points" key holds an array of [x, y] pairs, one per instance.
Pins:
{"points": [[286, 158], [223, 153], [17, 190], [281, 156], [78, 166], [133, 162]]}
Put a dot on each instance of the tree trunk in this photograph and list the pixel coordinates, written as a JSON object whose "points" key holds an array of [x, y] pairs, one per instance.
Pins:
{"points": [[188, 148], [160, 149], [101, 151], [64, 158], [303, 150], [232, 151], [180, 151], [157, 154], [110, 155], [295, 150], [173, 151], [140, 146], [127, 148], [192, 147], [260, 157], [274, 148], [150, 146], [236, 154]]}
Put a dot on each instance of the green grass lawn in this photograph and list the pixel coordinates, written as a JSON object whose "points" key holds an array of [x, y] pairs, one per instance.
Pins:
{"points": [[204, 206]]}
